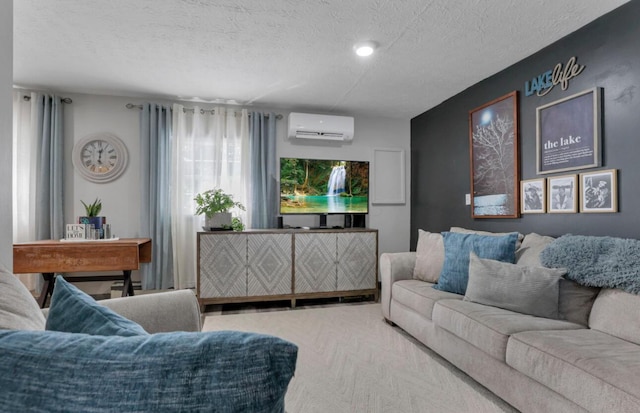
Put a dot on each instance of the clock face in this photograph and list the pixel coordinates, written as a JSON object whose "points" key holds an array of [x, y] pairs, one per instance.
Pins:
{"points": [[100, 157]]}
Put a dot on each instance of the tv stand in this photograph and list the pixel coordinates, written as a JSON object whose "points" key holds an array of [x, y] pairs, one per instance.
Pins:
{"points": [[271, 265]]}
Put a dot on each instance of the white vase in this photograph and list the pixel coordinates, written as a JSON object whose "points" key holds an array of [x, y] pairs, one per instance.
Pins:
{"points": [[219, 220]]}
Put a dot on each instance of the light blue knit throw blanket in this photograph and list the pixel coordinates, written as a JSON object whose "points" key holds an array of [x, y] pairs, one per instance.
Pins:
{"points": [[596, 261]]}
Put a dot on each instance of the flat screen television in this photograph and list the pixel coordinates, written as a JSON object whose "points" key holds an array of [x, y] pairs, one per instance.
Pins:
{"points": [[321, 186]]}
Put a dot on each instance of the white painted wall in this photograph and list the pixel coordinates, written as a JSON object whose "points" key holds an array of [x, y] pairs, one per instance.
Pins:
{"points": [[6, 119], [90, 114], [392, 221]]}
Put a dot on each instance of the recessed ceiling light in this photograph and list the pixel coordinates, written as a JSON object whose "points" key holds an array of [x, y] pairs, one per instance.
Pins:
{"points": [[365, 48]]}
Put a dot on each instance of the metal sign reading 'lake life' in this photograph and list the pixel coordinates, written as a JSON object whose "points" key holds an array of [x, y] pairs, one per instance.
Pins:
{"points": [[545, 82]]}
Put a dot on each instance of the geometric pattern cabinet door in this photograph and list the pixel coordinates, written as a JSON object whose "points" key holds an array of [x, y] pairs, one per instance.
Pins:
{"points": [[269, 264], [286, 265], [315, 255], [357, 258], [223, 265]]}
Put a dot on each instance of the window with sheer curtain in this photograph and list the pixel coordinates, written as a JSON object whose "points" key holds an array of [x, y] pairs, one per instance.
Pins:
{"points": [[24, 178], [38, 162], [210, 150]]}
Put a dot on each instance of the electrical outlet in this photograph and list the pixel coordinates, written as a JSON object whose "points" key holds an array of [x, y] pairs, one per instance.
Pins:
{"points": [[467, 199]]}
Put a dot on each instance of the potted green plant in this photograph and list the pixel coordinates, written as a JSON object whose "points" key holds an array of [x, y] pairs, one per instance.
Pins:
{"points": [[216, 206], [92, 216]]}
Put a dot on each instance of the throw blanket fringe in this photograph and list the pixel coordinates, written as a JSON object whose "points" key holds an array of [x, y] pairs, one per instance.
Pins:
{"points": [[605, 262]]}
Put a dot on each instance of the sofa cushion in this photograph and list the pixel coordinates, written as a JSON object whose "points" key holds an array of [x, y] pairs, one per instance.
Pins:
{"points": [[617, 313], [455, 271], [575, 300], [429, 256], [594, 370], [523, 289], [73, 311], [165, 372], [488, 328], [18, 308], [419, 296], [530, 249]]}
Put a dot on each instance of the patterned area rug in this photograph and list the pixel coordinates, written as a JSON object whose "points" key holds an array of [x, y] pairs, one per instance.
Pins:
{"points": [[350, 360]]}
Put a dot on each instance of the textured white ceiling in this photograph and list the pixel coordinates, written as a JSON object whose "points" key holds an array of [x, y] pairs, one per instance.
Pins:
{"points": [[290, 54]]}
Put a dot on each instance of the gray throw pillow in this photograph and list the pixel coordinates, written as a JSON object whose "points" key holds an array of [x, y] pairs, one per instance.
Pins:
{"points": [[18, 308], [527, 290], [576, 301], [429, 256]]}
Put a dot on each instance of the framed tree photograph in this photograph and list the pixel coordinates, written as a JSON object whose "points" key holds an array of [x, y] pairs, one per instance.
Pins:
{"points": [[568, 133], [533, 196], [562, 194], [493, 142], [599, 191]]}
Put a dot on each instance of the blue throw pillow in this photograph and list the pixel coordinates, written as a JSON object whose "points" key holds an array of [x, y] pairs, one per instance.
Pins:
{"points": [[457, 248], [73, 311], [166, 372]]}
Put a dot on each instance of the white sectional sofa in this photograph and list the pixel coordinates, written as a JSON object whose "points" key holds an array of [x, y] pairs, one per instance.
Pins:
{"points": [[586, 358]]}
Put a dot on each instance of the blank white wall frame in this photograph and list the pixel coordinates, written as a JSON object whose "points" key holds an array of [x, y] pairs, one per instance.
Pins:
{"points": [[388, 176]]}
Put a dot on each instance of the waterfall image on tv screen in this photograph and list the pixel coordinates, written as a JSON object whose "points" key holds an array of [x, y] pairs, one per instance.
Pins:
{"points": [[316, 186]]}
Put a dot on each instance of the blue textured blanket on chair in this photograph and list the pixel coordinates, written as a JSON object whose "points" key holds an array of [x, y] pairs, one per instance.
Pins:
{"points": [[606, 262]]}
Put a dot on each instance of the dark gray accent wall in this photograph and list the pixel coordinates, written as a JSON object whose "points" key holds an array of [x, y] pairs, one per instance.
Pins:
{"points": [[610, 50]]}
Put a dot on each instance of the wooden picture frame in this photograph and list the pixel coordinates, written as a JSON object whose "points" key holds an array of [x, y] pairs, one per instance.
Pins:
{"points": [[562, 194], [568, 133], [599, 191], [533, 193], [494, 155]]}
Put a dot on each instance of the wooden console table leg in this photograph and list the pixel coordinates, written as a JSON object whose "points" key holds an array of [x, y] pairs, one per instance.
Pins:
{"points": [[127, 285], [47, 288]]}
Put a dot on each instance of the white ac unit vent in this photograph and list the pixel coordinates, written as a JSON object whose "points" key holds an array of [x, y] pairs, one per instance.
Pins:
{"points": [[320, 127]]}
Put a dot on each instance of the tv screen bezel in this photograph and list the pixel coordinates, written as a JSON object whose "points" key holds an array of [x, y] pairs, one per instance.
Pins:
{"points": [[326, 212]]}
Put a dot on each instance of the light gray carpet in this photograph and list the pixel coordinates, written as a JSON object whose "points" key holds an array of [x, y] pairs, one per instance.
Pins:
{"points": [[350, 360]]}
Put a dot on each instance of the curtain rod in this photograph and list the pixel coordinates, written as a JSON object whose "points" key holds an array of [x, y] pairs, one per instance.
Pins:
{"points": [[202, 111], [63, 100]]}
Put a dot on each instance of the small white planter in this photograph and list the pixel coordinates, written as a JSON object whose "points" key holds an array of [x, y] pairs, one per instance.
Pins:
{"points": [[219, 220]]}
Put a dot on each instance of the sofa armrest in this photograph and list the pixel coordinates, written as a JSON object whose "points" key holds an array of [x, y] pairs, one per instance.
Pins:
{"points": [[394, 267], [162, 312]]}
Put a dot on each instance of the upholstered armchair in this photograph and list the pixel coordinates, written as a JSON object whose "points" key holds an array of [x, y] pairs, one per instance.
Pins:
{"points": [[135, 354]]}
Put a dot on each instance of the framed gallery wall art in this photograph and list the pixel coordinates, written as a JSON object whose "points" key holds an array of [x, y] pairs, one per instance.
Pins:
{"points": [[533, 196], [562, 193], [493, 142], [599, 191], [568, 133]]}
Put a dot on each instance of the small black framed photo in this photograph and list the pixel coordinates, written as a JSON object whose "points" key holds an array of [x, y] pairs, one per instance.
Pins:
{"points": [[533, 196], [599, 191]]}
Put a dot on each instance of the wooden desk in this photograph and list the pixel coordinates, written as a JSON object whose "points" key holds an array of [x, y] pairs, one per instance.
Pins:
{"points": [[52, 256]]}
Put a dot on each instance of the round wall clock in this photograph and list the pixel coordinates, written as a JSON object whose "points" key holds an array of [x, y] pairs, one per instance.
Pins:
{"points": [[100, 157]]}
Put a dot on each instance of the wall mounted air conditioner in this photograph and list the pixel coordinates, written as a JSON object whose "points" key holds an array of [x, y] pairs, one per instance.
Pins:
{"points": [[320, 127]]}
